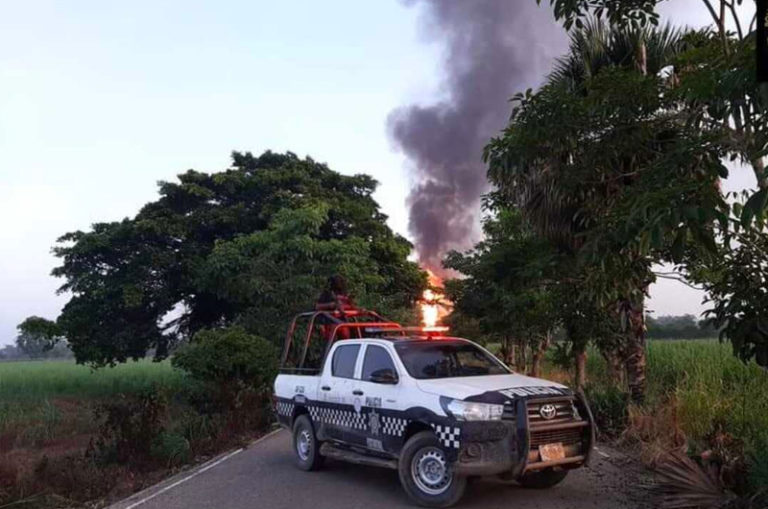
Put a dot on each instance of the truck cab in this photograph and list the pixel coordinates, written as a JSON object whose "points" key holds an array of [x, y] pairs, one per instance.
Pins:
{"points": [[438, 409]]}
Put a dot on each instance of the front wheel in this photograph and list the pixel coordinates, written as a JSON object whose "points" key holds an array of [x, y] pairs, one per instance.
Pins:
{"points": [[426, 475], [543, 479], [305, 444]]}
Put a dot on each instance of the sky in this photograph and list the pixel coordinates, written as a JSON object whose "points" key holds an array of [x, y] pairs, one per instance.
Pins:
{"points": [[101, 100]]}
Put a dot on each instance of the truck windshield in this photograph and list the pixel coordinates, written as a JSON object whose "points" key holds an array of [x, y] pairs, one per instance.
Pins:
{"points": [[447, 359]]}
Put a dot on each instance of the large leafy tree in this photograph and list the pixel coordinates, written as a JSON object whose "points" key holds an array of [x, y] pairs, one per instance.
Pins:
{"points": [[142, 283]]}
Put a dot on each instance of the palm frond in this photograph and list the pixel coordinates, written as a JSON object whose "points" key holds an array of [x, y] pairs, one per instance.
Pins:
{"points": [[683, 484]]}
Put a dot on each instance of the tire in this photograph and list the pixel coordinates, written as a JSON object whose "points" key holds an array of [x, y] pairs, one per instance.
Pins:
{"points": [[306, 447], [543, 479], [422, 461]]}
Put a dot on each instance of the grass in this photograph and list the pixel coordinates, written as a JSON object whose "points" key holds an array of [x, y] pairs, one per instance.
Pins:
{"points": [[37, 381], [40, 400], [699, 396], [713, 390]]}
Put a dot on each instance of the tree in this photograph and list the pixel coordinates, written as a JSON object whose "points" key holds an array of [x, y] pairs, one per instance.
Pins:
{"points": [[146, 282], [37, 336], [609, 177], [505, 288]]}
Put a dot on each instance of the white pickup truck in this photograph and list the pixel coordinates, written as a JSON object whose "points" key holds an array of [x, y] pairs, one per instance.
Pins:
{"points": [[437, 409]]}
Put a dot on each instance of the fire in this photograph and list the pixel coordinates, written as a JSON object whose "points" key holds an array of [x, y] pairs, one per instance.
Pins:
{"points": [[429, 309], [434, 305]]}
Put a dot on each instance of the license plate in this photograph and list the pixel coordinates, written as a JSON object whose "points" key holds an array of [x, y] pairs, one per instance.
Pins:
{"points": [[551, 452]]}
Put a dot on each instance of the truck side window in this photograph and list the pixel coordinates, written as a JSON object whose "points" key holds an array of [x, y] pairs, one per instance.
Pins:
{"points": [[377, 360], [344, 358]]}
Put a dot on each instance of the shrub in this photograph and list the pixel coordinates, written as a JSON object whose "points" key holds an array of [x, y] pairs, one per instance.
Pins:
{"points": [[172, 448], [609, 405], [129, 426], [230, 361]]}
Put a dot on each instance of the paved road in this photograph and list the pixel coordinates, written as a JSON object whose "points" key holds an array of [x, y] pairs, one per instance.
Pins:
{"points": [[263, 476]]}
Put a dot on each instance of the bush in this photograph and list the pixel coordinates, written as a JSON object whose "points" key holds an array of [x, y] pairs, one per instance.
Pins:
{"points": [[228, 355], [232, 373], [172, 448], [609, 405], [129, 426]]}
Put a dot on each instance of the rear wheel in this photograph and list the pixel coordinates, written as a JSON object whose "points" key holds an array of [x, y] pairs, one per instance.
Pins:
{"points": [[305, 444], [426, 475], [543, 479]]}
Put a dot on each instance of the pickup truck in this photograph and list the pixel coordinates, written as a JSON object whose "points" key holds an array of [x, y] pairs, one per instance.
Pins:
{"points": [[437, 409]]}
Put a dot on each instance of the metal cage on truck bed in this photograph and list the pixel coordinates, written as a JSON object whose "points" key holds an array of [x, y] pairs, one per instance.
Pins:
{"points": [[299, 357]]}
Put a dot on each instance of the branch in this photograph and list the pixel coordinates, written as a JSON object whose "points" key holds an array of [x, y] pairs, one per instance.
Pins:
{"points": [[674, 276], [732, 8]]}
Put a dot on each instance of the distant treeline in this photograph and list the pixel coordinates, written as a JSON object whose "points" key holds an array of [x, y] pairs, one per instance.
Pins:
{"points": [[14, 353], [679, 327]]}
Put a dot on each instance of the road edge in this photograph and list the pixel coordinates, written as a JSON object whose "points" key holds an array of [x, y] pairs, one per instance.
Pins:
{"points": [[147, 494]]}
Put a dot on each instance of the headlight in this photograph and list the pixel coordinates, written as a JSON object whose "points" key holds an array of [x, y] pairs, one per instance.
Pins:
{"points": [[471, 411]]}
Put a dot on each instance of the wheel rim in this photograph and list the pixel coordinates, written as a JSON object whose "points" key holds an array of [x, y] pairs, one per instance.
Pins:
{"points": [[304, 444], [430, 471]]}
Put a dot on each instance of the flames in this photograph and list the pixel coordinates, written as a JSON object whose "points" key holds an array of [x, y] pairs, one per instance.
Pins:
{"points": [[434, 305]]}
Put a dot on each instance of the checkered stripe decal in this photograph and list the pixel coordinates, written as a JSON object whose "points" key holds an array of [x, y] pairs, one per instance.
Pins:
{"points": [[447, 435], [284, 408], [394, 426], [336, 417]]}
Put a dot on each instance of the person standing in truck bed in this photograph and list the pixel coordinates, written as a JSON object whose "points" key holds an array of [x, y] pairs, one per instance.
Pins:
{"points": [[335, 298]]}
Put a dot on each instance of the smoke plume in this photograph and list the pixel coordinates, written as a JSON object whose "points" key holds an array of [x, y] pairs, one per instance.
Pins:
{"points": [[492, 49]]}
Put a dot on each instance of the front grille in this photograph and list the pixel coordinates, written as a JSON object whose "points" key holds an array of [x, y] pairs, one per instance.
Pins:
{"points": [[565, 412], [570, 436]]}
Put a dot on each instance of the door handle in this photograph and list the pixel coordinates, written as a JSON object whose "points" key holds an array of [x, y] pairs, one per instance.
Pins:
{"points": [[325, 388], [357, 392]]}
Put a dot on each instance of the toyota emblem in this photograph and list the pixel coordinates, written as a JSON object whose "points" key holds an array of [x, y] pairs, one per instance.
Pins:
{"points": [[547, 412]]}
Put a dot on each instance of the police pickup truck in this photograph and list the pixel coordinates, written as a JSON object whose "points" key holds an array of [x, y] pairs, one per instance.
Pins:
{"points": [[437, 409]]}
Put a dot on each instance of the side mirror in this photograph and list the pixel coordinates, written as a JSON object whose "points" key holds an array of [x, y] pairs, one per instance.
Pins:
{"points": [[384, 376]]}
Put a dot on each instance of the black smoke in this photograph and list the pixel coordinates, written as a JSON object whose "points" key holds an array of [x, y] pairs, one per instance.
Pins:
{"points": [[493, 49]]}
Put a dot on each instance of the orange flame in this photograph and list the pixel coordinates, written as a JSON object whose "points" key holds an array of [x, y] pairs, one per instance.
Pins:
{"points": [[434, 305]]}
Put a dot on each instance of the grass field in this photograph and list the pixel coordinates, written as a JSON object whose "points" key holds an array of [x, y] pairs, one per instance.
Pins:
{"points": [[43, 400], [36, 381]]}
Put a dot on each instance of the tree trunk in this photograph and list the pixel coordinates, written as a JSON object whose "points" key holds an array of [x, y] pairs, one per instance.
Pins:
{"points": [[538, 354], [615, 367], [634, 351], [508, 351], [522, 360], [580, 359]]}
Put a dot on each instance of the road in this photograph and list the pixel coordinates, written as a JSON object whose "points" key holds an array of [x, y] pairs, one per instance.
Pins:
{"points": [[263, 476]]}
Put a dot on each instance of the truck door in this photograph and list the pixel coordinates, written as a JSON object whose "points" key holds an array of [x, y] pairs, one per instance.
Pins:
{"points": [[337, 415], [379, 384]]}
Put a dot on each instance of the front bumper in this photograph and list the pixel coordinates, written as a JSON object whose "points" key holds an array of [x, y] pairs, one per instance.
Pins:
{"points": [[511, 445]]}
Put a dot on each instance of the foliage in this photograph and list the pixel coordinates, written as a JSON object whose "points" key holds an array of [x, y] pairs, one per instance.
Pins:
{"points": [[228, 356], [618, 12], [505, 290], [129, 426], [682, 483], [696, 388], [609, 405], [127, 277], [37, 336]]}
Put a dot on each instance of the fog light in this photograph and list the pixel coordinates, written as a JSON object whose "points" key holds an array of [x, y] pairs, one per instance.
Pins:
{"points": [[474, 450]]}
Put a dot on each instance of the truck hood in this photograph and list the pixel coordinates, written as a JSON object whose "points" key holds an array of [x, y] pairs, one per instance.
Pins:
{"points": [[493, 388]]}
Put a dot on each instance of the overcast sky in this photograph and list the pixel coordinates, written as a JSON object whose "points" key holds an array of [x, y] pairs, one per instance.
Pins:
{"points": [[100, 100]]}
